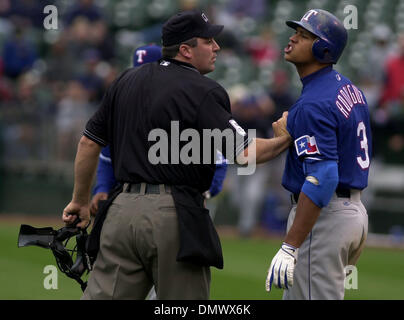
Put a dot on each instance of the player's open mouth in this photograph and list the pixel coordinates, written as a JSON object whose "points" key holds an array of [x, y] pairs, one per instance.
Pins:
{"points": [[288, 49]]}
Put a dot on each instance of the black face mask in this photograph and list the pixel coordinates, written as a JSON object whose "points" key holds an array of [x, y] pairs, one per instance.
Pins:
{"points": [[57, 241]]}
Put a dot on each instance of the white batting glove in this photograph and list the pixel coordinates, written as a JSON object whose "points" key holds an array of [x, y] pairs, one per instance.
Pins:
{"points": [[280, 273]]}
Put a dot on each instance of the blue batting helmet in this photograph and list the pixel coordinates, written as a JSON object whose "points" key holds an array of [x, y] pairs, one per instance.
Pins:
{"points": [[146, 54], [331, 33]]}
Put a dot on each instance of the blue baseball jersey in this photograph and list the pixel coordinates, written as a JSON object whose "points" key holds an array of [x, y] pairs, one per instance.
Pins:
{"points": [[330, 121]]}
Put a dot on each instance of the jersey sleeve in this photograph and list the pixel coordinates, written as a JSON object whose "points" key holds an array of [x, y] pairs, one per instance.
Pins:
{"points": [[215, 115], [105, 179], [218, 179], [97, 127], [315, 135]]}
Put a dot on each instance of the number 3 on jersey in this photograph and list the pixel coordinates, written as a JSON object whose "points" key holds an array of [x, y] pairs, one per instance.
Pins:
{"points": [[361, 132]]}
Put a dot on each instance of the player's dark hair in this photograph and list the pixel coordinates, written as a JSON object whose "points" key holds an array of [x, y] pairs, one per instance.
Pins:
{"points": [[172, 51]]}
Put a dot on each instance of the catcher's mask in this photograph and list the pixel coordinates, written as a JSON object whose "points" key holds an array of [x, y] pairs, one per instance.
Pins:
{"points": [[57, 240]]}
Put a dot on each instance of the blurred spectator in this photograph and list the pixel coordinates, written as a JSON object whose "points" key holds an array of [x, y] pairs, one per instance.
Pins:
{"points": [[61, 63], [281, 93], [5, 86], [371, 80], [111, 73], [395, 130], [382, 50], [73, 111], [102, 40], [83, 8], [25, 97], [253, 111], [27, 12], [388, 118], [239, 16], [78, 36], [65, 58], [19, 54], [255, 9], [263, 48], [21, 138], [89, 78], [394, 75], [185, 5], [5, 6], [78, 49]]}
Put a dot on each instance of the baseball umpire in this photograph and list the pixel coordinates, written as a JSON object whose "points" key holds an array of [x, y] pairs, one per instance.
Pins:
{"points": [[105, 181], [326, 169], [157, 231]]}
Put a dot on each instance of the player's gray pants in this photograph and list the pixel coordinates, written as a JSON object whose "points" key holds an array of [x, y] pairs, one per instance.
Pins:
{"points": [[336, 241]]}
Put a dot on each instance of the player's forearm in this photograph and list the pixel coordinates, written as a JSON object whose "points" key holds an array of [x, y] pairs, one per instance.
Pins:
{"points": [[306, 216], [84, 169]]}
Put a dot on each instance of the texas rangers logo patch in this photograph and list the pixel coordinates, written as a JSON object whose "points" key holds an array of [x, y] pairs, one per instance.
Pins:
{"points": [[306, 145]]}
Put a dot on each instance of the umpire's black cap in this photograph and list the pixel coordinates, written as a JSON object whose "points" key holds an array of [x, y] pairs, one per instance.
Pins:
{"points": [[186, 25]]}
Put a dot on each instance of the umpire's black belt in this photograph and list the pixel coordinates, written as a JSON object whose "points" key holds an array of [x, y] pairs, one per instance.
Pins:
{"points": [[340, 192], [146, 188]]}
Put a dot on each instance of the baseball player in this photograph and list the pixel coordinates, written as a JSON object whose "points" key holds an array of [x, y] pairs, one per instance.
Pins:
{"points": [[327, 166], [105, 179]]}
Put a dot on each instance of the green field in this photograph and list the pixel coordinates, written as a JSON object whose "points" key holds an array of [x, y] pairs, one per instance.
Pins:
{"points": [[380, 271]]}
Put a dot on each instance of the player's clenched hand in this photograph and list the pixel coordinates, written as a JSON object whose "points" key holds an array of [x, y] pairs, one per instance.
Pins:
{"points": [[74, 210], [94, 202], [279, 126], [280, 273]]}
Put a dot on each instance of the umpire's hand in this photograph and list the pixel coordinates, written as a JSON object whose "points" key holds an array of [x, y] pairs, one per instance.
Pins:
{"points": [[279, 127], [74, 210]]}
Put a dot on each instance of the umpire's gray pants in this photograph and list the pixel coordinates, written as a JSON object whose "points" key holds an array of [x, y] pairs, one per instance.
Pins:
{"points": [[139, 245], [336, 241]]}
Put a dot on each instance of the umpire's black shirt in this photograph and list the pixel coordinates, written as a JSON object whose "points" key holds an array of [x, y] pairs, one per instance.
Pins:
{"points": [[152, 97]]}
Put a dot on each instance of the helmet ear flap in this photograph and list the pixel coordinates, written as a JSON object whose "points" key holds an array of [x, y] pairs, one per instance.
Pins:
{"points": [[322, 51]]}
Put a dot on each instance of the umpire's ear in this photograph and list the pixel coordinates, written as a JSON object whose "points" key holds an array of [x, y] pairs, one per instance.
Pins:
{"points": [[185, 50]]}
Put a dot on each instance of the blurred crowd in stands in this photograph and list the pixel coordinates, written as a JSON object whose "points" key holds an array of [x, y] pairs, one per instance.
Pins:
{"points": [[51, 81]]}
